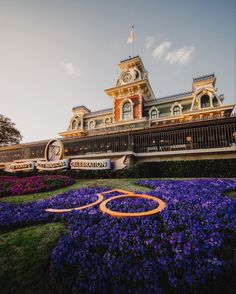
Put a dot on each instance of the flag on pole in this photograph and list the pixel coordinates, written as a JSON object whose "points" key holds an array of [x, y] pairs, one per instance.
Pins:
{"points": [[131, 36]]}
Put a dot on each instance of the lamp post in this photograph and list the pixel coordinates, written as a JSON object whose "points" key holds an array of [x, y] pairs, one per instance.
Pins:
{"points": [[161, 144], [234, 136], [189, 141]]}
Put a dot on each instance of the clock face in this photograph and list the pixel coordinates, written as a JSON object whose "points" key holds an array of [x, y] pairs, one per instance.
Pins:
{"points": [[126, 77]]}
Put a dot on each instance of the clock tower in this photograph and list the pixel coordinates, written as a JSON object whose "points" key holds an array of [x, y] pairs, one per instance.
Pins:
{"points": [[132, 90]]}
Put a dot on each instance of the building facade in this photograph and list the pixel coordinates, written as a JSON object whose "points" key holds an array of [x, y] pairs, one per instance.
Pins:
{"points": [[134, 103], [187, 126]]}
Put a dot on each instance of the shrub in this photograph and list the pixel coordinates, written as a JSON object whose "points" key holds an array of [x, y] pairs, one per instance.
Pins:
{"points": [[223, 168]]}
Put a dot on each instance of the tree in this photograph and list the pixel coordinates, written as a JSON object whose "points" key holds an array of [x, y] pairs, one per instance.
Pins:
{"points": [[8, 133]]}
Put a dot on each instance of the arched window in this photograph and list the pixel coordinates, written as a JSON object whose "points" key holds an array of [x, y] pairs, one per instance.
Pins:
{"points": [[126, 111], [74, 124], [91, 124], [176, 110], [205, 101], [153, 113], [107, 120]]}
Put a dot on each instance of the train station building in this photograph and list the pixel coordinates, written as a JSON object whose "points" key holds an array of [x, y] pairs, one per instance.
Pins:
{"points": [[191, 125]]}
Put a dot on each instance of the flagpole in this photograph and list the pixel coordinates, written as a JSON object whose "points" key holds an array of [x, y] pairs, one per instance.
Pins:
{"points": [[130, 40], [132, 45]]}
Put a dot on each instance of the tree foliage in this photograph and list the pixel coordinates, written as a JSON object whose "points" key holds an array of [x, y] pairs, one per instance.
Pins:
{"points": [[8, 132]]}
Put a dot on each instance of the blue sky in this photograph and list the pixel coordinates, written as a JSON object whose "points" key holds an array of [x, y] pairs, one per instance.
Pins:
{"points": [[58, 54]]}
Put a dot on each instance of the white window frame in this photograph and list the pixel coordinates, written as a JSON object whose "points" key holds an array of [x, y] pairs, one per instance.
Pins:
{"points": [[127, 100], [91, 121], [210, 100], [78, 120], [107, 118], [173, 106], [150, 113]]}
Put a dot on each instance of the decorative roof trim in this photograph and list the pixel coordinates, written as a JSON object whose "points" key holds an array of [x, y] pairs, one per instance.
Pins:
{"points": [[204, 77], [81, 106], [130, 58]]}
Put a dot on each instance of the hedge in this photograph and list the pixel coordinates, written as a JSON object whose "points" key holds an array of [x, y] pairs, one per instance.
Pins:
{"points": [[224, 168]]}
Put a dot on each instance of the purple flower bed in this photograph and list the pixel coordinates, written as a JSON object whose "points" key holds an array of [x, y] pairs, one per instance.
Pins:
{"points": [[20, 186], [179, 249], [12, 215], [73, 199], [176, 251], [131, 205]]}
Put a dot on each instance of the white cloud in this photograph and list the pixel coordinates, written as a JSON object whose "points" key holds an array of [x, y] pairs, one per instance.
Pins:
{"points": [[149, 42], [159, 51], [182, 55], [70, 68]]}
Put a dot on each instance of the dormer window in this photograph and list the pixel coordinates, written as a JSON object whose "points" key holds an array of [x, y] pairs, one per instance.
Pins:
{"points": [[127, 111], [153, 113], [108, 121], [75, 123], [205, 101], [91, 124], [176, 110]]}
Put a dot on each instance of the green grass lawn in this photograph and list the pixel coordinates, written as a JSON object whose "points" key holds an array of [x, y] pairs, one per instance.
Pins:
{"points": [[24, 258], [231, 194]]}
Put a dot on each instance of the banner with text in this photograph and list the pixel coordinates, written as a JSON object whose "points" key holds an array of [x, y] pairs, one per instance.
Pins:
{"points": [[20, 166], [93, 164], [52, 165]]}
